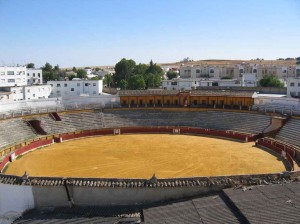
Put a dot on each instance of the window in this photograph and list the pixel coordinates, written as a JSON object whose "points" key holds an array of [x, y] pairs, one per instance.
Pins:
{"points": [[211, 71], [28, 90], [94, 84], [78, 84], [72, 89], [33, 95], [58, 91], [198, 71], [39, 75], [33, 74], [58, 85], [11, 80], [2, 73], [292, 84], [86, 84], [27, 74], [51, 85], [10, 72], [298, 84], [2, 80], [65, 85]]}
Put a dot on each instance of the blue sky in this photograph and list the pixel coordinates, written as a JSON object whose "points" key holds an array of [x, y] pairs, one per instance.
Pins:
{"points": [[101, 32]]}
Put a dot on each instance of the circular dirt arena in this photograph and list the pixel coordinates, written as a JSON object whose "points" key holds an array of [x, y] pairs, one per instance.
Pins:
{"points": [[141, 155]]}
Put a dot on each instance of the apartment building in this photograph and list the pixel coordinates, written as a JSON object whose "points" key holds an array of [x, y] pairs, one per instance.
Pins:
{"points": [[20, 83], [75, 88]]}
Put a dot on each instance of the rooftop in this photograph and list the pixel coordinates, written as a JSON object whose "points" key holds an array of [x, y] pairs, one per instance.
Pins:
{"points": [[277, 203]]}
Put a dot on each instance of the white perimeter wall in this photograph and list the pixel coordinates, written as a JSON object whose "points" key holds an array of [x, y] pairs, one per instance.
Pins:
{"points": [[15, 199], [103, 100], [284, 101]]}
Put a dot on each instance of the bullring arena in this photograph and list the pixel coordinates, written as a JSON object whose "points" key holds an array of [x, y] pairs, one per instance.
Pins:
{"points": [[140, 156]]}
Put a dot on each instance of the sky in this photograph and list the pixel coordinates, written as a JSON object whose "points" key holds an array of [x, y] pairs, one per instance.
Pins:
{"points": [[102, 32]]}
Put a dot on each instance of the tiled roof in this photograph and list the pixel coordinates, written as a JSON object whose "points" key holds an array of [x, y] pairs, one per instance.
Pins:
{"points": [[147, 92], [262, 204], [222, 181], [276, 203], [222, 93], [192, 93]]}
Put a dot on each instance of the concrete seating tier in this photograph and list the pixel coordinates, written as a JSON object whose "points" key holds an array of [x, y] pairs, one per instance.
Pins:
{"points": [[241, 122], [290, 132], [72, 122], [15, 131]]}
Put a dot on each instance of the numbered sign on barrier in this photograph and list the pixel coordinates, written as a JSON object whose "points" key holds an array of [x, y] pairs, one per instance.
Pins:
{"points": [[117, 131], [176, 131], [12, 157]]}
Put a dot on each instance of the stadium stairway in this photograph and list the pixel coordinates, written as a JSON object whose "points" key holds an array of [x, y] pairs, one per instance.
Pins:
{"points": [[36, 125], [55, 116]]}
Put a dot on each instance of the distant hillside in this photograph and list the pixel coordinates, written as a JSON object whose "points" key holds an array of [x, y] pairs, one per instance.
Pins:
{"points": [[211, 62], [233, 62]]}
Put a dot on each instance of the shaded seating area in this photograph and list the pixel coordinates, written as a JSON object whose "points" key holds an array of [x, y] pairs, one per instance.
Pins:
{"points": [[72, 122], [290, 132], [240, 122], [15, 131]]}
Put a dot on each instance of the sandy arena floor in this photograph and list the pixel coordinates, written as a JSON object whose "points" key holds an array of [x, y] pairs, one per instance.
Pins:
{"points": [[139, 156]]}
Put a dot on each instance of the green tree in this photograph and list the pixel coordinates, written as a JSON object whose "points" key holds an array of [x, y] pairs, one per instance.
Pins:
{"points": [[172, 75], [107, 80], [47, 67], [152, 80], [56, 68], [270, 81], [30, 65], [81, 73], [140, 69], [298, 61], [97, 69], [123, 84], [155, 69], [136, 82], [72, 76], [48, 73], [123, 70]]}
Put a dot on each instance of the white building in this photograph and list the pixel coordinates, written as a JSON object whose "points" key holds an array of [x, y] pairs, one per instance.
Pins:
{"points": [[76, 88], [88, 70], [297, 71], [19, 83], [13, 76], [189, 84], [293, 87], [19, 76], [34, 76], [249, 79]]}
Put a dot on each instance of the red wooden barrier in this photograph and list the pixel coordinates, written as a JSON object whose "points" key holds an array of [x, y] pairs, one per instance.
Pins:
{"points": [[26, 148]]}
